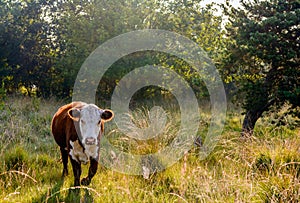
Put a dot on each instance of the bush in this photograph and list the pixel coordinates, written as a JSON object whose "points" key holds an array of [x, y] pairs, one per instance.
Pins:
{"points": [[15, 159]]}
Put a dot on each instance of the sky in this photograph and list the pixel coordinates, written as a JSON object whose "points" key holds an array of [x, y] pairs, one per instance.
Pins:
{"points": [[233, 2]]}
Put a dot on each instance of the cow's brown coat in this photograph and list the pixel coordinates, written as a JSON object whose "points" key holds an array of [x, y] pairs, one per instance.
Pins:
{"points": [[64, 130]]}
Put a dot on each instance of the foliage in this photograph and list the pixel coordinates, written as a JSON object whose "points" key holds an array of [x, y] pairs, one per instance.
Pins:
{"points": [[48, 41], [92, 23], [26, 45], [199, 24], [266, 48]]}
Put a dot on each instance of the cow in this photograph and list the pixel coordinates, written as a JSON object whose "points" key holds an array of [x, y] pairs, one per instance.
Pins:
{"points": [[77, 128]]}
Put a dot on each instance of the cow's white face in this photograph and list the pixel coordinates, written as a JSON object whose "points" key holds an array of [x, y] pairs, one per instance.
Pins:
{"points": [[89, 119]]}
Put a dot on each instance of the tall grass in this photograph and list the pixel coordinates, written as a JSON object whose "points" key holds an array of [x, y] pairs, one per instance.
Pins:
{"points": [[265, 168]]}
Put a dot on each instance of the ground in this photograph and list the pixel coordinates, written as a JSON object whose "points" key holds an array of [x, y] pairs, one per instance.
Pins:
{"points": [[264, 168]]}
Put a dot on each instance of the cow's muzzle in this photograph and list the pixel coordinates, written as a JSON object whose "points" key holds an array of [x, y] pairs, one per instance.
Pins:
{"points": [[90, 141]]}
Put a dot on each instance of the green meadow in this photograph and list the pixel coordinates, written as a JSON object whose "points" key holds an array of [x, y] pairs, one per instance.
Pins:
{"points": [[263, 168]]}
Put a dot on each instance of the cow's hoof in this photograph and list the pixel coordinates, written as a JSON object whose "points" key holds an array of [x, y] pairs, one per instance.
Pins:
{"points": [[65, 173], [76, 183], [85, 181]]}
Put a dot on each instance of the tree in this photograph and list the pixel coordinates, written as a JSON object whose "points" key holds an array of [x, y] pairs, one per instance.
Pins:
{"points": [[45, 43], [196, 22], [87, 24], [27, 49], [84, 25], [265, 57]]}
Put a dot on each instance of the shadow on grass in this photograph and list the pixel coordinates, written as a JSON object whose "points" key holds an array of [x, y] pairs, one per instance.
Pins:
{"points": [[58, 194]]}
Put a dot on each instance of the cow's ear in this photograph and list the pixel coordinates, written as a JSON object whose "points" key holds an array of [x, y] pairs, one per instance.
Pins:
{"points": [[74, 114], [107, 115]]}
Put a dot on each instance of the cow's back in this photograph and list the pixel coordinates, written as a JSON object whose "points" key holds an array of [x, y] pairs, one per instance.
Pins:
{"points": [[62, 125]]}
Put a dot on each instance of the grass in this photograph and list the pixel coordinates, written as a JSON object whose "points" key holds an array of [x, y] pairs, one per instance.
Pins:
{"points": [[265, 168]]}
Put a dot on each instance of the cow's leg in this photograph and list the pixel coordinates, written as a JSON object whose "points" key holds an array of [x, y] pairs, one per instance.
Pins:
{"points": [[64, 156], [92, 171], [76, 171]]}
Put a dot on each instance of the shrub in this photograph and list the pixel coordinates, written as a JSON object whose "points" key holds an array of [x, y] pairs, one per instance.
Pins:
{"points": [[15, 159]]}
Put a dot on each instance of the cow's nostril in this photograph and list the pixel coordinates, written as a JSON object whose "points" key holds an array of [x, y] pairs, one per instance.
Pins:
{"points": [[90, 141]]}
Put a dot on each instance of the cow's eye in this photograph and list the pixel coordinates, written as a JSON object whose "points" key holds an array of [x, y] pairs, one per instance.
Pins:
{"points": [[82, 122]]}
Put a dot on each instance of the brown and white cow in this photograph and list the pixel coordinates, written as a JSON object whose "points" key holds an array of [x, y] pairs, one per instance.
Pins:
{"points": [[77, 128]]}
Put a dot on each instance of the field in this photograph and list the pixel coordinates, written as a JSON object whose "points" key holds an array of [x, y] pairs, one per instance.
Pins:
{"points": [[264, 168]]}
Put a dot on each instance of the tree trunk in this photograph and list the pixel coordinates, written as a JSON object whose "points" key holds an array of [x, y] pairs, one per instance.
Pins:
{"points": [[249, 122], [251, 117]]}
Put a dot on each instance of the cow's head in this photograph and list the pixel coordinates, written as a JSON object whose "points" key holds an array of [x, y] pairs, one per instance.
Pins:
{"points": [[90, 120]]}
